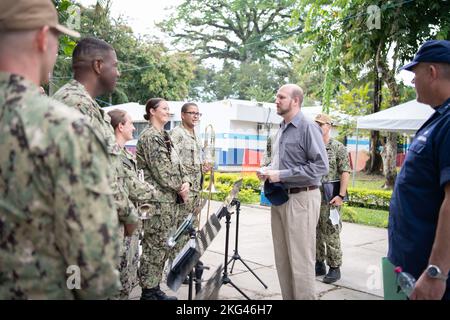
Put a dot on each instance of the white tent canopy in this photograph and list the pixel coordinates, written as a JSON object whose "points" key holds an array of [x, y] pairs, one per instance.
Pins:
{"points": [[405, 118]]}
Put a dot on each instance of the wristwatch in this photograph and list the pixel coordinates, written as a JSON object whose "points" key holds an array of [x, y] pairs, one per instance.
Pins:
{"points": [[434, 272]]}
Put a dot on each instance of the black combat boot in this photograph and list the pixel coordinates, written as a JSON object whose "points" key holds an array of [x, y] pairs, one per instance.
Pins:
{"points": [[155, 294], [321, 269], [198, 276], [148, 294], [162, 296], [333, 275]]}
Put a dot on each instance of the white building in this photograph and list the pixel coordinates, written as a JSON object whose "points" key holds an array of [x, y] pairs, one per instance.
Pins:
{"points": [[241, 128]]}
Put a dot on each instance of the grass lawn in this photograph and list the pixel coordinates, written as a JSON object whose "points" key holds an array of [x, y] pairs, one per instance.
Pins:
{"points": [[369, 217], [365, 181]]}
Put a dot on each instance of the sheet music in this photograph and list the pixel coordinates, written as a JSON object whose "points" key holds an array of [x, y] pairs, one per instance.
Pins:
{"points": [[189, 245]]}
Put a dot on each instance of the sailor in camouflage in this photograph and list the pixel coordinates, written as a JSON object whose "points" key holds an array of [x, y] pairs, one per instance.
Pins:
{"points": [[57, 221], [163, 169], [95, 73], [328, 243], [140, 191], [190, 151]]}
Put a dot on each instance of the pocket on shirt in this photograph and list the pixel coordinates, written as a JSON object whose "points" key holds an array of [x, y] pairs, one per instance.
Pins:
{"points": [[293, 148], [417, 147]]}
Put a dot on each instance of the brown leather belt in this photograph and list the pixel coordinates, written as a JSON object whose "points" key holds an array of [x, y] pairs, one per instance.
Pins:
{"points": [[300, 189]]}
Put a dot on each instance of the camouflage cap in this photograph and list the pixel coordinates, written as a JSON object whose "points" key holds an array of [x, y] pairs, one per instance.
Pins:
{"points": [[30, 14], [323, 119]]}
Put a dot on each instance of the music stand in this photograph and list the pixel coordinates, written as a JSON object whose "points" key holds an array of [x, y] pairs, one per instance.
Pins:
{"points": [[191, 253], [236, 255], [225, 279]]}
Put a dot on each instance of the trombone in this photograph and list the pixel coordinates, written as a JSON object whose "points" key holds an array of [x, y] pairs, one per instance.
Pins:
{"points": [[209, 152]]}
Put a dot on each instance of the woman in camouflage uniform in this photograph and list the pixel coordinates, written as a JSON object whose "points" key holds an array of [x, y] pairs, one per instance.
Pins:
{"points": [[162, 168], [139, 192]]}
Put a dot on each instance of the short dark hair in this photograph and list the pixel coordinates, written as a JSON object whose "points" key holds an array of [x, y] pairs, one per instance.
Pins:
{"points": [[117, 116], [185, 106], [152, 103], [87, 49]]}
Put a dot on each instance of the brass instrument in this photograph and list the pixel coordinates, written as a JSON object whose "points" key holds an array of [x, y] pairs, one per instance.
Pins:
{"points": [[209, 152], [145, 211]]}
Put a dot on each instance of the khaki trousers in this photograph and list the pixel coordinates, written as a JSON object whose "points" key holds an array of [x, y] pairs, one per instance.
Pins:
{"points": [[294, 240]]}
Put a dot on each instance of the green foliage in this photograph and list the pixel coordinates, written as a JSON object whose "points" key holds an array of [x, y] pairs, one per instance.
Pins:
{"points": [[244, 31], [222, 191], [248, 196], [367, 198], [310, 80], [223, 182], [348, 214], [376, 183], [354, 102], [147, 68], [351, 50], [347, 50], [247, 81], [368, 217], [226, 178], [253, 40], [251, 183]]}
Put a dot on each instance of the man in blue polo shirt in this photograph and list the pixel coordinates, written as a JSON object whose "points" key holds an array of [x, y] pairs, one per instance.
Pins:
{"points": [[419, 220]]}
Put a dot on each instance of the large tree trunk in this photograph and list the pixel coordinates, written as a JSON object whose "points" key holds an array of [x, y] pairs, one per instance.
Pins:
{"points": [[389, 155], [374, 163], [390, 149]]}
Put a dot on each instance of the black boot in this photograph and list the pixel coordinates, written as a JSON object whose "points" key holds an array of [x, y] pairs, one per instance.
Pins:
{"points": [[321, 269], [198, 276], [155, 294], [333, 275], [162, 296], [148, 294]]}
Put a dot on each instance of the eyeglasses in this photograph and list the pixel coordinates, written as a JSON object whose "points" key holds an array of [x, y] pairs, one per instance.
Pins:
{"points": [[194, 114]]}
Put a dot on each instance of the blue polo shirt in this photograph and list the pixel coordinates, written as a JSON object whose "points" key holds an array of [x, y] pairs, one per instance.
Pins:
{"points": [[419, 193]]}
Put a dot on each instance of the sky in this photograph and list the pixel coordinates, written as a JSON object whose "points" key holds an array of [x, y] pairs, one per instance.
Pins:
{"points": [[140, 14]]}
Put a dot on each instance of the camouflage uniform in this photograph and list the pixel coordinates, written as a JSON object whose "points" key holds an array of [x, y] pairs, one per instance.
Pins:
{"points": [[328, 243], [140, 192], [163, 169], [190, 152], [56, 206], [75, 95]]}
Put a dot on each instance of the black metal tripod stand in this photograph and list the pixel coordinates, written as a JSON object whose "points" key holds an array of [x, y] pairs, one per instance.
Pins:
{"points": [[195, 276], [236, 255], [225, 278]]}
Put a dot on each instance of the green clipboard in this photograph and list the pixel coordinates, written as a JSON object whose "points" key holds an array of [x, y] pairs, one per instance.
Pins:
{"points": [[390, 287]]}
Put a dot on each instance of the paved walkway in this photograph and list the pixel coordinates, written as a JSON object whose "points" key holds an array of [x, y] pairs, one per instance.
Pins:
{"points": [[361, 279]]}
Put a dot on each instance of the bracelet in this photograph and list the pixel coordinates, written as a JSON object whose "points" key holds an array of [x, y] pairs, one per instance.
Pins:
{"points": [[342, 197]]}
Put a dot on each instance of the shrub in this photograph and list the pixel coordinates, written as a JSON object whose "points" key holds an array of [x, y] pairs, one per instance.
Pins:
{"points": [[252, 183], [375, 199], [223, 182], [248, 196], [225, 178], [348, 214]]}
